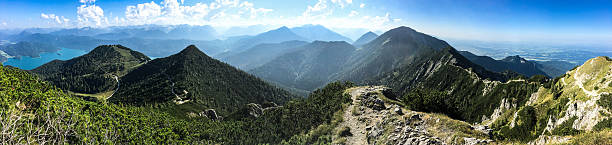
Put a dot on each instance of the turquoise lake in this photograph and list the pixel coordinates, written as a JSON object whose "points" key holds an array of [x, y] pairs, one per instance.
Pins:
{"points": [[28, 63]]}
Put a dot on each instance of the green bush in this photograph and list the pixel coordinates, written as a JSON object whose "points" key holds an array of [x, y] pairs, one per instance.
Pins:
{"points": [[605, 101], [566, 128]]}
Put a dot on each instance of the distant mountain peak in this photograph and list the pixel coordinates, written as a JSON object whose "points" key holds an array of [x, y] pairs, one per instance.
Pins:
{"points": [[365, 38], [402, 29], [102, 49], [515, 59], [93, 70], [108, 47], [191, 50], [405, 35], [319, 32], [319, 42], [283, 28]]}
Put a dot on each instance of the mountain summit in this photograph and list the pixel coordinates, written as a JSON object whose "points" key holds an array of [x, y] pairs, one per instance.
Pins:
{"points": [[281, 34], [365, 38], [93, 72], [191, 51], [510, 63], [319, 32], [394, 48], [195, 81]]}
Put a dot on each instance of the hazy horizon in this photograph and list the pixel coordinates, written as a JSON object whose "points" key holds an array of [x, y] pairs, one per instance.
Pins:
{"points": [[551, 22]]}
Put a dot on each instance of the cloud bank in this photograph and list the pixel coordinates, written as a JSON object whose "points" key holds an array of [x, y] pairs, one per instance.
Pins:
{"points": [[52, 18], [226, 13]]}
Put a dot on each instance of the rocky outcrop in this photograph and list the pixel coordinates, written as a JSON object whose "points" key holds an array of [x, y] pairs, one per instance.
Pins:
{"points": [[371, 100], [475, 141], [504, 105], [374, 121], [410, 131], [255, 110], [211, 114]]}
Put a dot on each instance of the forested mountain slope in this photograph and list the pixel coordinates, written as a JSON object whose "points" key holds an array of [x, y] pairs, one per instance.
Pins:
{"points": [[535, 109], [395, 48], [365, 39], [308, 68], [510, 63], [261, 54], [194, 82], [94, 72], [33, 111]]}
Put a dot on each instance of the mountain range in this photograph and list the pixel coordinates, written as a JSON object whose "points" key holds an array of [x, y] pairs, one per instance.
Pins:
{"points": [[319, 33], [408, 87], [194, 81], [510, 63], [520, 65], [262, 54], [393, 49], [308, 68], [189, 80]]}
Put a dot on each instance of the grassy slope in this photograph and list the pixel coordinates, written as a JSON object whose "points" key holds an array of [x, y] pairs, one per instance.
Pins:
{"points": [[554, 101], [33, 111]]}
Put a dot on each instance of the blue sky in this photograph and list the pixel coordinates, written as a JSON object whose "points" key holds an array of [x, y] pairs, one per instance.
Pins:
{"points": [[556, 21]]}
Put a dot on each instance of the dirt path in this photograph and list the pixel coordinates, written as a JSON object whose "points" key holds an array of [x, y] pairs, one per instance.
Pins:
{"points": [[357, 127], [579, 80], [116, 89]]}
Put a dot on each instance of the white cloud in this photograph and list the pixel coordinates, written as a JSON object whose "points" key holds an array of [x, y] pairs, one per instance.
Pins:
{"points": [[353, 13], [226, 13], [378, 20], [324, 8], [318, 10], [44, 16], [342, 3], [89, 14], [87, 1], [143, 12], [54, 18], [4, 24], [172, 12], [323, 13]]}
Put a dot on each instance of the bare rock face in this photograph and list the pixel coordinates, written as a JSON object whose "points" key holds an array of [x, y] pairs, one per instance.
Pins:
{"points": [[255, 110], [371, 100], [210, 114], [475, 141], [408, 132]]}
